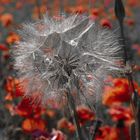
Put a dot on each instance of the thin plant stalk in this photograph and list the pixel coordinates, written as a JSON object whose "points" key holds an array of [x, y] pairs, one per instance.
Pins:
{"points": [[74, 113], [69, 96], [97, 123], [97, 126], [120, 14]]}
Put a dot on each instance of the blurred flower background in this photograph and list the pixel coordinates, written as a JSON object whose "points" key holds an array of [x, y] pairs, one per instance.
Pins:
{"points": [[22, 120]]}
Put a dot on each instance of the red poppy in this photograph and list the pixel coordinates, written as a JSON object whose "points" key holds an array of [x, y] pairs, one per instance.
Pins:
{"points": [[95, 13], [113, 133], [107, 3], [133, 2], [78, 9], [64, 124], [3, 47], [5, 1], [107, 133], [6, 19], [130, 22], [106, 23], [19, 5], [119, 112], [32, 124], [12, 38], [26, 109], [85, 114], [120, 91], [13, 88], [50, 113]]}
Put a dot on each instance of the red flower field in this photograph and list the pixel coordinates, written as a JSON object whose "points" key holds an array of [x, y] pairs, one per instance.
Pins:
{"points": [[116, 115]]}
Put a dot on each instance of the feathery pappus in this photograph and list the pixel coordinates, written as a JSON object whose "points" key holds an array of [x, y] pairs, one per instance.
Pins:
{"points": [[71, 50]]}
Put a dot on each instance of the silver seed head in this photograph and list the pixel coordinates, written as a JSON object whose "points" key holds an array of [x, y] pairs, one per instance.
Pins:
{"points": [[74, 50]]}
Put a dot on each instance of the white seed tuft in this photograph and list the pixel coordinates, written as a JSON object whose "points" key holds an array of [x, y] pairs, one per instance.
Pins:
{"points": [[75, 49]]}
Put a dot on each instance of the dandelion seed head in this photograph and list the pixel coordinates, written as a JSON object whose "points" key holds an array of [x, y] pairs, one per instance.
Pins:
{"points": [[74, 50]]}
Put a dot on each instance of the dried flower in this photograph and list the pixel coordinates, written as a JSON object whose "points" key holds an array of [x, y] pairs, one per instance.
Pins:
{"points": [[74, 50]]}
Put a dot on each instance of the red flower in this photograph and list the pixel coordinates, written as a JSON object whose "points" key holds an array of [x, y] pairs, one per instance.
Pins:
{"points": [[119, 112], [85, 114], [5, 1], [133, 3], [26, 109], [6, 19], [95, 13], [3, 47], [19, 5], [107, 3], [32, 124], [107, 133], [77, 9], [64, 124], [106, 23], [50, 113], [120, 91], [113, 133], [130, 22], [12, 38], [13, 88]]}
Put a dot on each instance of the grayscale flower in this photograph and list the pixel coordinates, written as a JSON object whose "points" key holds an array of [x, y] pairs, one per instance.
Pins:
{"points": [[72, 50]]}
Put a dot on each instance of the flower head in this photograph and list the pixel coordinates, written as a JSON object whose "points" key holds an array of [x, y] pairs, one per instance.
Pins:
{"points": [[119, 91], [72, 50]]}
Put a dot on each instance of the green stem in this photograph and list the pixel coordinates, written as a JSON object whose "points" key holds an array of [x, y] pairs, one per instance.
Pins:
{"points": [[97, 126], [120, 14], [134, 97], [74, 113]]}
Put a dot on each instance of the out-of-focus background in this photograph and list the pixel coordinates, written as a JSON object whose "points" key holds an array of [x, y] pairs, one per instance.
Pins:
{"points": [[19, 120]]}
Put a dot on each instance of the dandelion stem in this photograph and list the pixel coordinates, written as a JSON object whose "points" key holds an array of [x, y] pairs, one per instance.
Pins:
{"points": [[97, 122], [120, 14], [74, 113], [97, 126]]}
